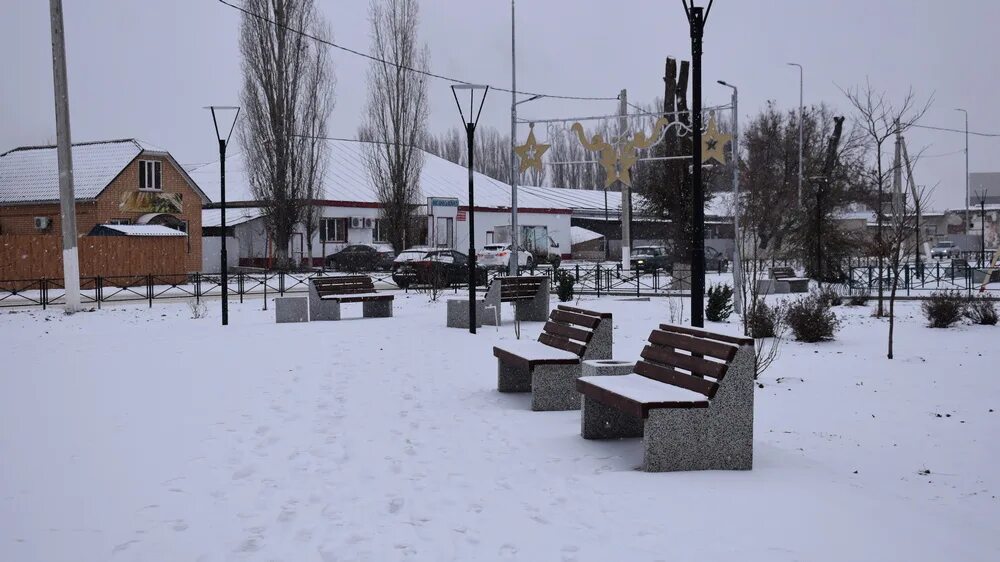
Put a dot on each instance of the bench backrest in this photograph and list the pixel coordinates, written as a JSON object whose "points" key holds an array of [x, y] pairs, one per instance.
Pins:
{"points": [[688, 357], [570, 331], [343, 285], [782, 272], [519, 288]]}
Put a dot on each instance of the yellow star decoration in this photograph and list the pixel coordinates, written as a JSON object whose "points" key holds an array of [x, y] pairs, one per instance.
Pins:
{"points": [[531, 153], [712, 143]]}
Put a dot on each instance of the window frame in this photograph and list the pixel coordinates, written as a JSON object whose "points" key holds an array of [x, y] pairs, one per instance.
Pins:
{"points": [[340, 225], [150, 169]]}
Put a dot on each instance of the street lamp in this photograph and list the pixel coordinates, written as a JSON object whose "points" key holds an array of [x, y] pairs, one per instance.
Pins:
{"points": [[737, 255], [470, 132], [223, 143], [800, 128], [966, 168]]}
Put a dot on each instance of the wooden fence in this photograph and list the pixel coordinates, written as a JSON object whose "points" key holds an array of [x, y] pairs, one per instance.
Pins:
{"points": [[40, 256]]}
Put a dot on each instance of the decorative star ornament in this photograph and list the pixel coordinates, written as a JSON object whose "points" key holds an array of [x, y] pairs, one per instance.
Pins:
{"points": [[712, 143], [531, 152]]}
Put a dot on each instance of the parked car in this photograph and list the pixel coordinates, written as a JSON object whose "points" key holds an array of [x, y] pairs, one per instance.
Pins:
{"points": [[497, 256], [361, 257], [945, 249], [715, 262], [649, 258], [433, 267]]}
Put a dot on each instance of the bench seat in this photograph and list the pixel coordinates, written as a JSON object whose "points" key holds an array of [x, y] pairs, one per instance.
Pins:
{"points": [[528, 353], [636, 395], [359, 297], [326, 294]]}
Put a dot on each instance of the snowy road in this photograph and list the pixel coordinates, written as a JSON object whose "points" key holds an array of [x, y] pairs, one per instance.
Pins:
{"points": [[142, 434]]}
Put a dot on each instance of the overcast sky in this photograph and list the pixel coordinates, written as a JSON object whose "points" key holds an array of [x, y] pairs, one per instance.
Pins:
{"points": [[145, 68]]}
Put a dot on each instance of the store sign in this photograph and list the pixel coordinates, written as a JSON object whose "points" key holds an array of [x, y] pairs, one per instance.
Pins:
{"points": [[151, 202], [442, 202]]}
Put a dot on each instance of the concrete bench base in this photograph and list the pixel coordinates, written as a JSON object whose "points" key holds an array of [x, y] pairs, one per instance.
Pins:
{"points": [[797, 284], [772, 287], [377, 309], [458, 313], [512, 378], [553, 388], [291, 309]]}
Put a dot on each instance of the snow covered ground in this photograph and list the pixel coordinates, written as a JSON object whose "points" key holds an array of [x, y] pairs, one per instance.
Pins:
{"points": [[142, 434]]}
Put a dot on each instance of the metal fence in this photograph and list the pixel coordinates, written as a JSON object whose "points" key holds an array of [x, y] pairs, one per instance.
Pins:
{"points": [[921, 278]]}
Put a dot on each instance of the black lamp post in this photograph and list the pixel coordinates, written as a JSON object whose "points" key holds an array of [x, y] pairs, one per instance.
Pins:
{"points": [[470, 132], [696, 19], [223, 143]]}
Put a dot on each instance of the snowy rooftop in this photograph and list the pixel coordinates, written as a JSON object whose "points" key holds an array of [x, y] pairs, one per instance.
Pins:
{"points": [[31, 174], [234, 216], [144, 229]]}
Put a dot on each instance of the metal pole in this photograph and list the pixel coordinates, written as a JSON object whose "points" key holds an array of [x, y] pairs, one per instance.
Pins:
{"points": [[626, 214], [737, 252], [470, 130], [67, 200], [697, 24], [982, 230], [513, 141], [223, 254], [967, 195], [800, 126]]}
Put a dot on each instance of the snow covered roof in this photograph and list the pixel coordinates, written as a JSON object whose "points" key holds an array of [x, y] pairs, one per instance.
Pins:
{"points": [[143, 229], [578, 235], [234, 216], [347, 180]]}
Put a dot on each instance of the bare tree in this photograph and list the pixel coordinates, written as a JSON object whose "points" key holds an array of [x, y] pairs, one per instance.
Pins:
{"points": [[396, 114], [285, 75], [880, 120], [320, 101]]}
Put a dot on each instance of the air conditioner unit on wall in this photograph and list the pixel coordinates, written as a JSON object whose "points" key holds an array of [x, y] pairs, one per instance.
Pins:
{"points": [[357, 222], [42, 223], [369, 223]]}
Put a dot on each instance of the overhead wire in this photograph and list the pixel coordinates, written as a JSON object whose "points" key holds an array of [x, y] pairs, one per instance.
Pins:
{"points": [[404, 67]]}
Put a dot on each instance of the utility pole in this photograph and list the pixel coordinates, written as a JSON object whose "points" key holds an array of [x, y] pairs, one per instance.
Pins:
{"points": [[696, 20], [626, 191], [737, 252], [800, 126], [514, 238], [967, 194], [982, 228], [67, 201]]}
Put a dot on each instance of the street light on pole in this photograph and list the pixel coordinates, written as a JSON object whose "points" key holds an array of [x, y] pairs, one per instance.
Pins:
{"points": [[470, 132], [223, 143], [800, 127], [737, 254], [967, 197]]}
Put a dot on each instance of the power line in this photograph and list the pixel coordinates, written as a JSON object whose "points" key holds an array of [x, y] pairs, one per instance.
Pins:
{"points": [[956, 131], [402, 67]]}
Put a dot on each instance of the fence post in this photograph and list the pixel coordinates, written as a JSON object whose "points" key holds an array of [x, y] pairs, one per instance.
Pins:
{"points": [[197, 287], [637, 283], [99, 290], [906, 277], [149, 289], [239, 285], [265, 290], [597, 280], [44, 293], [281, 283]]}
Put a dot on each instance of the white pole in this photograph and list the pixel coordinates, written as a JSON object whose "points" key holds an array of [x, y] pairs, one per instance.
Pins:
{"points": [[801, 116], [67, 201], [966, 229], [513, 160], [626, 214], [737, 255]]}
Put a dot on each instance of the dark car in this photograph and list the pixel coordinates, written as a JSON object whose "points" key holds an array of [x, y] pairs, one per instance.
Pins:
{"points": [[649, 258], [715, 262], [435, 268], [361, 257]]}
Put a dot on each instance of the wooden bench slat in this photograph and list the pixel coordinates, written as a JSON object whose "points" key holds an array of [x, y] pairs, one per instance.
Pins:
{"points": [[566, 317], [341, 288], [568, 331], [674, 377], [697, 365], [719, 350], [525, 363], [708, 335], [562, 343], [584, 311]]}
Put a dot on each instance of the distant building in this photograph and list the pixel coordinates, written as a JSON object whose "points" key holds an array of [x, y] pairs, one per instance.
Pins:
{"points": [[116, 183], [984, 183]]}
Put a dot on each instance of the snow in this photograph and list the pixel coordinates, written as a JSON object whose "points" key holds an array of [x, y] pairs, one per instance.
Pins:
{"points": [[578, 235], [144, 229], [136, 433], [536, 350], [642, 389]]}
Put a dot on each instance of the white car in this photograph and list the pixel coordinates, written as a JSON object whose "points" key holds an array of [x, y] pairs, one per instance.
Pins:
{"points": [[497, 256]]}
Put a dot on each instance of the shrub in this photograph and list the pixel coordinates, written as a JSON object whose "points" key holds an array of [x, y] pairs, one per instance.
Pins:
{"points": [[943, 309], [981, 311], [859, 297], [811, 320], [831, 295], [720, 303], [564, 285], [763, 321]]}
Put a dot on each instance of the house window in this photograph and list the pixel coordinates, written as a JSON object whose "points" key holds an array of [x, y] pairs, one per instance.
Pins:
{"points": [[333, 230], [377, 234], [120, 221], [149, 174]]}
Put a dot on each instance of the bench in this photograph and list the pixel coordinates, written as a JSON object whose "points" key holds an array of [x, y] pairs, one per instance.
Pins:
{"points": [[550, 366], [326, 294], [690, 398], [787, 275], [530, 296]]}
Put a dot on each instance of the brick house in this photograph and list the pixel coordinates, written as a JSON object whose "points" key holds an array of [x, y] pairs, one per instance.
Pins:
{"points": [[117, 182]]}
